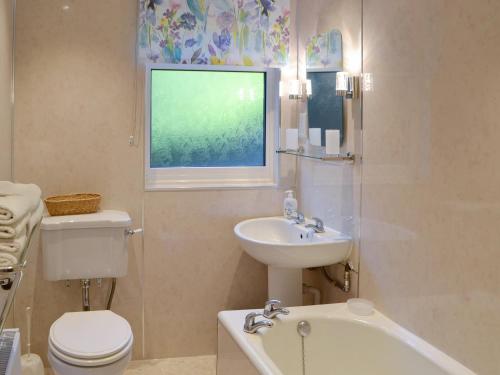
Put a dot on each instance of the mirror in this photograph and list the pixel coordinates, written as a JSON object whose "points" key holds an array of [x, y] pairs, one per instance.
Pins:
{"points": [[323, 60], [329, 41]]}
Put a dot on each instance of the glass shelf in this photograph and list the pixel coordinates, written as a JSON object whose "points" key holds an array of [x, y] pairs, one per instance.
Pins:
{"points": [[320, 155]]}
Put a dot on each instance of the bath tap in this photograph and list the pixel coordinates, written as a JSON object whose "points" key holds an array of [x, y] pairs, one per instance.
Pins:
{"points": [[318, 226], [251, 326], [273, 308]]}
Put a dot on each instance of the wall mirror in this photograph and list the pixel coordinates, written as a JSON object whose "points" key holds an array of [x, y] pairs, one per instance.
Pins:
{"points": [[329, 42], [323, 61]]}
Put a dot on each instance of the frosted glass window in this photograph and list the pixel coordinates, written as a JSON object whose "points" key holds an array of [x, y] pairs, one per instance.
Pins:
{"points": [[207, 119]]}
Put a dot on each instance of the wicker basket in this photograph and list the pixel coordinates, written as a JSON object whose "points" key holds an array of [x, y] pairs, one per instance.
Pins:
{"points": [[73, 204]]}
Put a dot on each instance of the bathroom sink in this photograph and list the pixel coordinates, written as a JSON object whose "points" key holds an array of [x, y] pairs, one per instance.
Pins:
{"points": [[279, 242]]}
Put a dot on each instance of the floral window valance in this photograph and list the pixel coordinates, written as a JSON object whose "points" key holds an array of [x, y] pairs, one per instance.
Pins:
{"points": [[324, 51], [229, 32]]}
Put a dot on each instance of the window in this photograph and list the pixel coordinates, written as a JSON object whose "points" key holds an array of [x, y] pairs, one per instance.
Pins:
{"points": [[210, 126]]}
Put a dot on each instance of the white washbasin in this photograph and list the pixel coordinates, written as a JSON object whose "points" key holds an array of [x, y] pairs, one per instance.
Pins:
{"points": [[279, 242]]}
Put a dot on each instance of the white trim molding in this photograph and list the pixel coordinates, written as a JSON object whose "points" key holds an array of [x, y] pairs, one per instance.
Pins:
{"points": [[218, 177]]}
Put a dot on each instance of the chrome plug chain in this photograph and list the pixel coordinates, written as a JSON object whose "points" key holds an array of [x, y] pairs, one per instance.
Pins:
{"points": [[304, 330]]}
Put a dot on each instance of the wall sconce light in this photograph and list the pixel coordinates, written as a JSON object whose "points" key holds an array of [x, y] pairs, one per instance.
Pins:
{"points": [[347, 85], [367, 82], [296, 89]]}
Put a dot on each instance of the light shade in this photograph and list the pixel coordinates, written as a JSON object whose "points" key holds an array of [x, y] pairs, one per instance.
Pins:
{"points": [[295, 88], [342, 81], [367, 81]]}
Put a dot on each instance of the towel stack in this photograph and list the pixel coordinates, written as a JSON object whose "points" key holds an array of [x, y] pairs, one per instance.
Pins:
{"points": [[20, 210]]}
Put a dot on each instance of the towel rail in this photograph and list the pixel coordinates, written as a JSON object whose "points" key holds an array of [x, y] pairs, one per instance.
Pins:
{"points": [[14, 268], [24, 254], [10, 277]]}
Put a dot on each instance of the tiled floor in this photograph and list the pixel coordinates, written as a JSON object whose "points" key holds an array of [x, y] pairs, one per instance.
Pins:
{"points": [[201, 365]]}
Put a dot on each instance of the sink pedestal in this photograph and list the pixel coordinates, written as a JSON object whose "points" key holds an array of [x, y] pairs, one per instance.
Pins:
{"points": [[285, 284], [287, 248]]}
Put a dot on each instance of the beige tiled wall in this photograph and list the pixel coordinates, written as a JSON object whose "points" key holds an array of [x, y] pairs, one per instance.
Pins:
{"points": [[195, 268], [6, 43], [75, 110], [430, 230]]}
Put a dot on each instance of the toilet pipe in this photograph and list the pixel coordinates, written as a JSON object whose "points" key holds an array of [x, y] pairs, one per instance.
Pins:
{"points": [[112, 288], [307, 289], [85, 284]]}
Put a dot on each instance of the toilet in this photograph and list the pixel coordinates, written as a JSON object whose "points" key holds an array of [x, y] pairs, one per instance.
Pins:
{"points": [[90, 342], [85, 247]]}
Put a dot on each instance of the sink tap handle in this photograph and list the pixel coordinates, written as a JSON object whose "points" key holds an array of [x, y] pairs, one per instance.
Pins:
{"points": [[319, 223], [273, 308], [299, 218]]}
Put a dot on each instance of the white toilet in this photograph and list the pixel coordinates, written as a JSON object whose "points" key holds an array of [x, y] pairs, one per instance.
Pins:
{"points": [[85, 247]]}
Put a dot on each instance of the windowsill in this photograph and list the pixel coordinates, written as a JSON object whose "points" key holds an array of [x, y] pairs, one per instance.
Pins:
{"points": [[223, 185]]}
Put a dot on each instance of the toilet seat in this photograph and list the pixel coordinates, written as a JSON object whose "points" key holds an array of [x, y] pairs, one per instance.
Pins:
{"points": [[89, 339]]}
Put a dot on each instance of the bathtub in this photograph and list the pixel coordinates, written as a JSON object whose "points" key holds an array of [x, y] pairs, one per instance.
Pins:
{"points": [[340, 343]]}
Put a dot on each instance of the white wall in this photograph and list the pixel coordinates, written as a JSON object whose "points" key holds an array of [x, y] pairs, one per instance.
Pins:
{"points": [[6, 39]]}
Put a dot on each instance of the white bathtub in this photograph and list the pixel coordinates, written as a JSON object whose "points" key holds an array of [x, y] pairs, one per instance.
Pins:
{"points": [[339, 343]]}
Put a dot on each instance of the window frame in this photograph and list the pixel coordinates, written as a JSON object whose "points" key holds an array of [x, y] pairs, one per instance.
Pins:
{"points": [[181, 178]]}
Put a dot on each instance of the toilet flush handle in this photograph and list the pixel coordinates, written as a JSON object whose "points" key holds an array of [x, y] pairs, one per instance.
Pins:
{"points": [[131, 232]]}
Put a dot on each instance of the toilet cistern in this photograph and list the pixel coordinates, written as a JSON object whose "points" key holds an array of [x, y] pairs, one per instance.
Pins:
{"points": [[85, 247]]}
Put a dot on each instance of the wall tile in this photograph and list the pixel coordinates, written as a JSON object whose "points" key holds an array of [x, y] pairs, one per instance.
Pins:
{"points": [[430, 214], [194, 266]]}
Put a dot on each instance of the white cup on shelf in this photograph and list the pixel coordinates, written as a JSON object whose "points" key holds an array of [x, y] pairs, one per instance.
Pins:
{"points": [[315, 136], [332, 141]]}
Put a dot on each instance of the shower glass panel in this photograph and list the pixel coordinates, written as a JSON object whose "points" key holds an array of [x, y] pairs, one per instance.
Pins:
{"points": [[6, 86], [329, 41]]}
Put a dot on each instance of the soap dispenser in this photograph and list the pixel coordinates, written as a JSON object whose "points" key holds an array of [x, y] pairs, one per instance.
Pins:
{"points": [[289, 205]]}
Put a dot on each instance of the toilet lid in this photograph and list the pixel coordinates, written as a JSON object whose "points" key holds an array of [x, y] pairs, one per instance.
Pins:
{"points": [[90, 335]]}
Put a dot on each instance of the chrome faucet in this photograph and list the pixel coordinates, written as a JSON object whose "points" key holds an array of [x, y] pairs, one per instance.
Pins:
{"points": [[273, 309], [318, 225], [251, 326], [299, 218]]}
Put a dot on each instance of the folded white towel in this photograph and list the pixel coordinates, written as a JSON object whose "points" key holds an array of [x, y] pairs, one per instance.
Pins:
{"points": [[13, 208], [30, 190], [13, 245], [18, 242], [16, 245], [17, 200], [7, 260], [16, 229]]}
